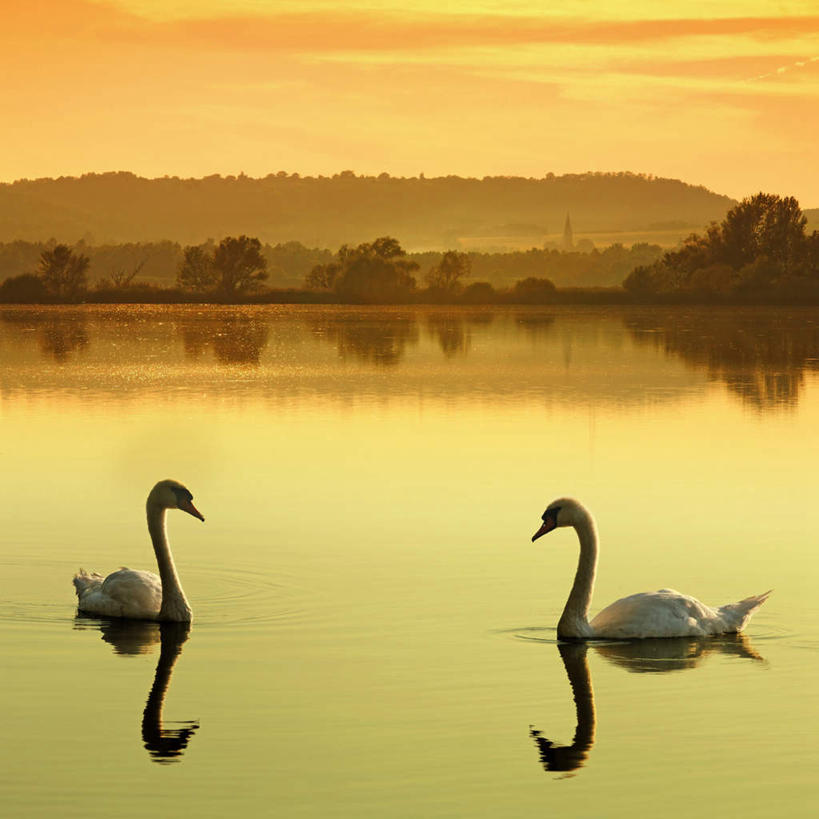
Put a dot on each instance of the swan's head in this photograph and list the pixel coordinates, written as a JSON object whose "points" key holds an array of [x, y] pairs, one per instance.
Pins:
{"points": [[562, 512], [171, 494]]}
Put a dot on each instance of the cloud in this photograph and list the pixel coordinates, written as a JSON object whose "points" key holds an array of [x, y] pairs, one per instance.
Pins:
{"points": [[372, 31], [366, 31], [785, 69]]}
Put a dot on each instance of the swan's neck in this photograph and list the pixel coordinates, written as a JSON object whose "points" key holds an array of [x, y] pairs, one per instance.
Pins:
{"points": [[574, 622], [174, 604]]}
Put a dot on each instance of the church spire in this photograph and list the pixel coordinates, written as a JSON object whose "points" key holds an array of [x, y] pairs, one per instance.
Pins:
{"points": [[568, 235]]}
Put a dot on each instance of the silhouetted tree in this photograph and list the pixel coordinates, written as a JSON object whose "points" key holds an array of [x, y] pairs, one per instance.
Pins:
{"points": [[25, 289], [479, 293], [63, 272], [534, 291], [760, 246], [376, 272], [323, 276], [239, 265], [196, 271], [120, 279], [448, 274]]}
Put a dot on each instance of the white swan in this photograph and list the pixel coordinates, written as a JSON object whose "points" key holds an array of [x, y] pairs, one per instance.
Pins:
{"points": [[142, 595], [664, 613]]}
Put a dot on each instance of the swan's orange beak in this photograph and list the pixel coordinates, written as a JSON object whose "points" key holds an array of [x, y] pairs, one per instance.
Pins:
{"points": [[549, 523], [187, 506]]}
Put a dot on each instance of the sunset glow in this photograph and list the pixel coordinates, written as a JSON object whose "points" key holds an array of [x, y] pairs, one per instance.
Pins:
{"points": [[722, 94]]}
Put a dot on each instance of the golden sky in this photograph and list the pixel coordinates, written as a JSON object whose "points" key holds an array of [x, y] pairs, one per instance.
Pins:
{"points": [[722, 93]]}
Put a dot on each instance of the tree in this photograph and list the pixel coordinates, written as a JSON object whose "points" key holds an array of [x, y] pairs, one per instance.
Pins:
{"points": [[479, 293], [63, 272], [377, 272], [534, 291], [764, 225], [24, 289], [120, 278], [323, 276], [446, 276], [239, 265], [760, 246], [196, 271]]}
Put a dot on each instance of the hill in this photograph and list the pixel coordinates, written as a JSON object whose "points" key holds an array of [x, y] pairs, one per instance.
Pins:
{"points": [[492, 213]]}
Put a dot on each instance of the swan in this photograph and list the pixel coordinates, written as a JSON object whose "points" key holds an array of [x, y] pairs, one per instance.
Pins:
{"points": [[663, 613], [140, 595]]}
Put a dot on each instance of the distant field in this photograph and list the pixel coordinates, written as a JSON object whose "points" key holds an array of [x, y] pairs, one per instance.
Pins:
{"points": [[664, 238]]}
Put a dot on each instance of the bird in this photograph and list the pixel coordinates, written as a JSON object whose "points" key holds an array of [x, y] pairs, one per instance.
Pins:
{"points": [[663, 613], [140, 595]]}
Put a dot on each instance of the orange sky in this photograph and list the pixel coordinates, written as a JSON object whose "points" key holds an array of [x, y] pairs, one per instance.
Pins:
{"points": [[722, 93]]}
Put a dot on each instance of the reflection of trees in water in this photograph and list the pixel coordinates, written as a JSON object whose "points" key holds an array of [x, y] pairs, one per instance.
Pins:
{"points": [[759, 355], [59, 338], [378, 340], [130, 637], [535, 324], [451, 332], [235, 339], [650, 655], [58, 335]]}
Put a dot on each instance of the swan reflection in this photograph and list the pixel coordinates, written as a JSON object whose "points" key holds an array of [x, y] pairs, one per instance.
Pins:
{"points": [[132, 637], [674, 653], [570, 757], [640, 656]]}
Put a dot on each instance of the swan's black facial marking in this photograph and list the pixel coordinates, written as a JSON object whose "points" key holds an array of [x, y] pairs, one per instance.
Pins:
{"points": [[182, 495], [549, 522], [553, 512], [184, 500]]}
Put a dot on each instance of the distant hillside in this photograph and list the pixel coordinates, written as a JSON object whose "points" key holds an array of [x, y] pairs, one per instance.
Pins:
{"points": [[325, 212]]}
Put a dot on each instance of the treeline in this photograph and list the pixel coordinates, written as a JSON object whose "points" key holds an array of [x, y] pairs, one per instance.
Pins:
{"points": [[597, 268], [287, 264], [327, 211], [760, 252], [236, 271]]}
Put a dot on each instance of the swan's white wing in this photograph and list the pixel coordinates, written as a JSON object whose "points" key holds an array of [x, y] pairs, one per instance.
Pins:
{"points": [[124, 593], [663, 613]]}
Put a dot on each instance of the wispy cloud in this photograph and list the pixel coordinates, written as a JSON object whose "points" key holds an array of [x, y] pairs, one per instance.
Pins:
{"points": [[373, 30], [360, 31], [785, 69]]}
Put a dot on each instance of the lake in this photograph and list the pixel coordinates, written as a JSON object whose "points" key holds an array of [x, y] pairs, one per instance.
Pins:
{"points": [[374, 632]]}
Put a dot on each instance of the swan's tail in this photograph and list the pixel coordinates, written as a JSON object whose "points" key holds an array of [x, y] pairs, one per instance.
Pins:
{"points": [[84, 582], [736, 615]]}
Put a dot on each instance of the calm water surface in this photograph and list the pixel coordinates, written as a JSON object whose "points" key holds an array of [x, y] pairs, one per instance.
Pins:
{"points": [[374, 632]]}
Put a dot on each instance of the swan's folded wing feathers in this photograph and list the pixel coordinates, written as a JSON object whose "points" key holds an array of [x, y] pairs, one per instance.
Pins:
{"points": [[134, 586], [85, 582], [655, 614], [124, 593]]}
